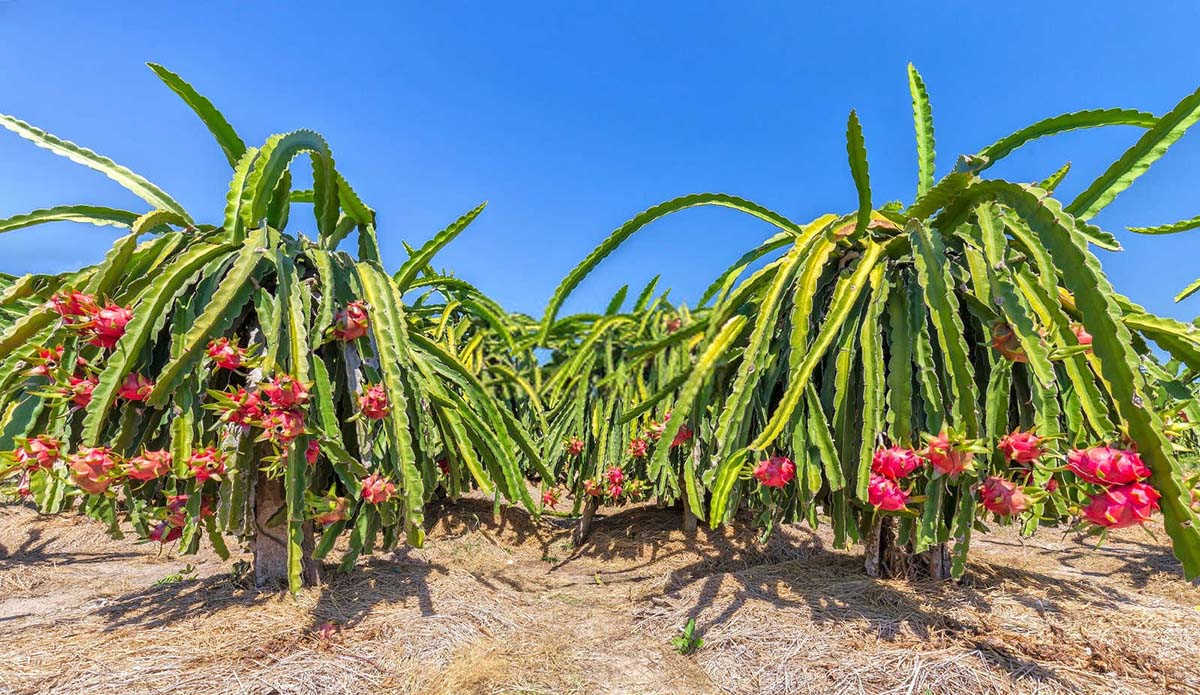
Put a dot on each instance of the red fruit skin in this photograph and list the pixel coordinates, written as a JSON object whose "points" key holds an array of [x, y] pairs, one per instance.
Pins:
{"points": [[638, 448], [682, 437], [374, 402], [885, 493], [1106, 465], [894, 462], [946, 457], [312, 452], [73, 305], [135, 388], [43, 451], [1081, 334], [776, 471], [1020, 447], [206, 463], [108, 325], [149, 466], [1002, 497], [376, 489], [615, 476], [92, 468], [224, 354], [284, 392], [549, 498], [1122, 506], [574, 446], [351, 323], [80, 390], [282, 426], [338, 513]]}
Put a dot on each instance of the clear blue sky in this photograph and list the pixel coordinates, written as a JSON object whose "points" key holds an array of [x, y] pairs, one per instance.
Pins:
{"points": [[571, 117]]}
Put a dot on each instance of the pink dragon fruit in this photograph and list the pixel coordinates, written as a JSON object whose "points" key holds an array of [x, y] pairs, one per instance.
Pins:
{"points": [[205, 464], [776, 471], [282, 426], [374, 402], [1106, 465], [225, 354], [351, 322], [894, 462], [92, 469], [312, 452], [135, 387], [376, 489], [886, 494], [107, 325], [574, 446], [1003, 497], [948, 455], [1021, 447], [638, 448], [148, 466], [285, 392], [1121, 506], [683, 436]]}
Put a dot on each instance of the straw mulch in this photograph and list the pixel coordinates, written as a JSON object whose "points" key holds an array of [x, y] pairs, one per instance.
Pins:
{"points": [[508, 606]]}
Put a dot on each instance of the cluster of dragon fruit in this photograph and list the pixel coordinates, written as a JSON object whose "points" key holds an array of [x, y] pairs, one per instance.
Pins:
{"points": [[275, 408]]}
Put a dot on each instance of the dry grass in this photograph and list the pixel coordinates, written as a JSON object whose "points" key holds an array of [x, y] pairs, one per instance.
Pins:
{"points": [[510, 607]]}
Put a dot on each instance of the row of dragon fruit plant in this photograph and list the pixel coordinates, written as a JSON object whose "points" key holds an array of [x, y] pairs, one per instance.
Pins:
{"points": [[901, 370]]}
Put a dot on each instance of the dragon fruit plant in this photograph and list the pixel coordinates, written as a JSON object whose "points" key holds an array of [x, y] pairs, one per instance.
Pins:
{"points": [[599, 444], [887, 353], [242, 379]]}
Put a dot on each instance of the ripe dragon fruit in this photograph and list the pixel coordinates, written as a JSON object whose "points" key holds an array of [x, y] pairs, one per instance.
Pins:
{"points": [[948, 455], [549, 497], [1003, 497], [282, 426], [374, 402], [638, 447], [92, 469], [682, 437], [225, 354], [894, 462], [312, 452], [1021, 447], [592, 488], [376, 489], [242, 407], [776, 471], [73, 305], [1004, 341], [351, 322], [205, 464], [107, 325], [574, 446], [615, 476], [80, 389], [135, 387], [1121, 506], [43, 451], [285, 392], [1106, 465], [148, 466], [886, 494]]}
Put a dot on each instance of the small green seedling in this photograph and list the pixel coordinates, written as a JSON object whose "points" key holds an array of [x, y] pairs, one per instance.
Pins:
{"points": [[687, 641]]}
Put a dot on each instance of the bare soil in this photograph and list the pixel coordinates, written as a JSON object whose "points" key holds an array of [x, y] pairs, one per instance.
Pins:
{"points": [[509, 606]]}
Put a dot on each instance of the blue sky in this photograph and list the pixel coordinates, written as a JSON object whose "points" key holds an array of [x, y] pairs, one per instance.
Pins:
{"points": [[572, 117]]}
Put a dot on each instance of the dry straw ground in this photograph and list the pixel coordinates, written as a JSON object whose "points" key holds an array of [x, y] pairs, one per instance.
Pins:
{"points": [[509, 607]]}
